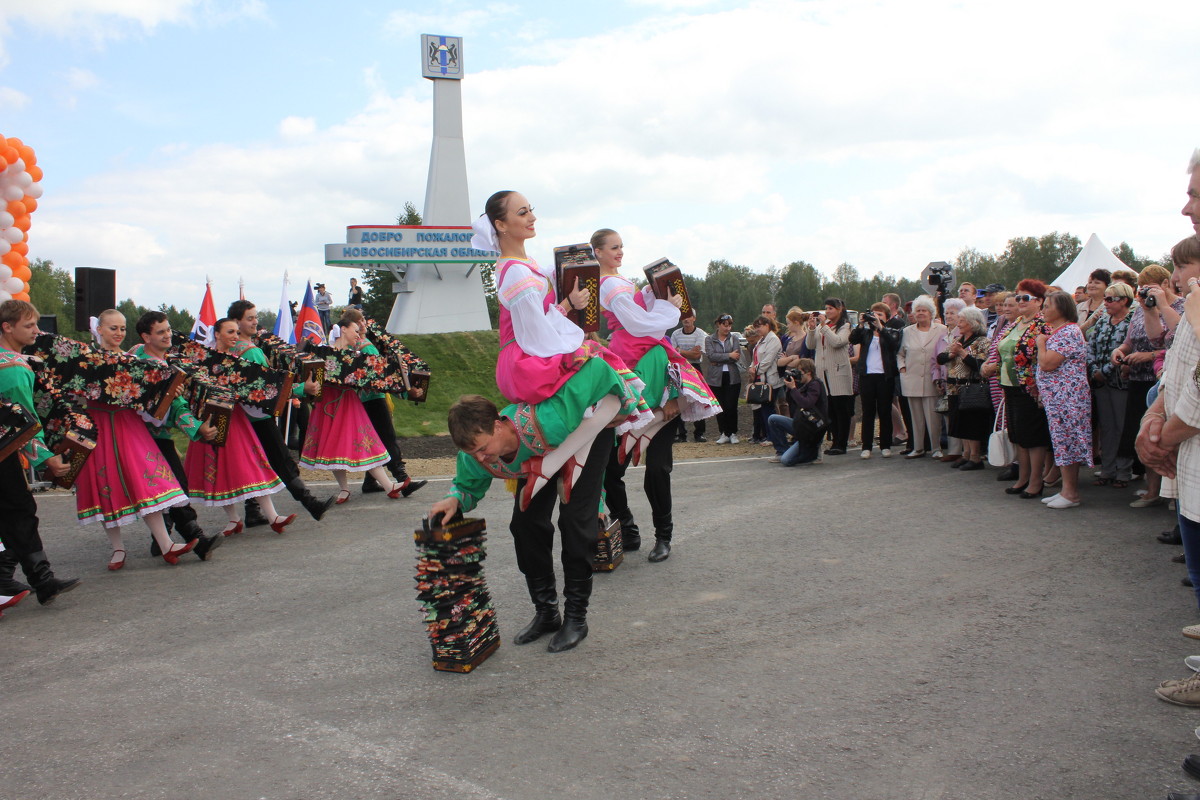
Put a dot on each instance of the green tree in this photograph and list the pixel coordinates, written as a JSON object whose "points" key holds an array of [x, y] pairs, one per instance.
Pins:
{"points": [[1042, 258], [1131, 259]]}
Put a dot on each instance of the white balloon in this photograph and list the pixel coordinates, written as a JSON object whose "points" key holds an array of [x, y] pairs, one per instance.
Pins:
{"points": [[34, 190], [5, 271], [4, 248], [4, 296], [13, 192], [13, 285], [16, 166], [13, 235], [6, 220], [23, 179]]}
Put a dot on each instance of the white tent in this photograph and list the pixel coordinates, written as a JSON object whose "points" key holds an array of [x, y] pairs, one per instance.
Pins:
{"points": [[1094, 255]]}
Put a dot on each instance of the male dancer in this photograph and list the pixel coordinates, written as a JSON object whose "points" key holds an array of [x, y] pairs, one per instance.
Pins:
{"points": [[265, 428], [531, 443], [18, 511], [155, 332]]}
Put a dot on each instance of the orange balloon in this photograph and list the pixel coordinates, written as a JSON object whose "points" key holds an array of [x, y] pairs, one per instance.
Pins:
{"points": [[14, 142], [30, 204], [9, 154], [21, 296], [21, 247], [22, 223], [34, 172], [16, 208], [27, 155], [23, 272], [11, 259]]}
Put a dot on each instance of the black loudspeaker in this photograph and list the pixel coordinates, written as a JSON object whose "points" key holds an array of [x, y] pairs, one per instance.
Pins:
{"points": [[95, 291], [48, 323]]}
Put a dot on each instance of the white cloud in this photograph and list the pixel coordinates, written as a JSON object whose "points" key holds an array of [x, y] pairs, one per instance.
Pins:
{"points": [[294, 127], [12, 99], [824, 131]]}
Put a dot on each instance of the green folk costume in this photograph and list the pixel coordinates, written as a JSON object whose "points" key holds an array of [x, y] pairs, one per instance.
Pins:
{"points": [[542, 427], [16, 386]]}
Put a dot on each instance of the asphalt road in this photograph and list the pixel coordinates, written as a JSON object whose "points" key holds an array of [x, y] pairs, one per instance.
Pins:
{"points": [[857, 629]]}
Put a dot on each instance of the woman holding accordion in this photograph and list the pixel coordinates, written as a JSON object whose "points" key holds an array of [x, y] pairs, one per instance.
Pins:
{"points": [[238, 469], [126, 477]]}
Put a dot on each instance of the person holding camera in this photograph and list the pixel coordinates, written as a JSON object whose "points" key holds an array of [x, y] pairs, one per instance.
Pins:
{"points": [[829, 337], [877, 372], [1157, 313], [805, 393]]}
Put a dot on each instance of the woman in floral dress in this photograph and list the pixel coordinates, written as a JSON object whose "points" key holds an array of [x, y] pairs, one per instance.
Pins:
{"points": [[340, 435], [1063, 390], [126, 477], [239, 469]]}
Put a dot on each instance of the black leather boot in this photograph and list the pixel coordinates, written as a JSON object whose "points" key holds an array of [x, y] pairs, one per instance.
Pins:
{"points": [[206, 545], [661, 551], [370, 485], [253, 515], [37, 570], [631, 536], [545, 610], [316, 508], [9, 585], [576, 592]]}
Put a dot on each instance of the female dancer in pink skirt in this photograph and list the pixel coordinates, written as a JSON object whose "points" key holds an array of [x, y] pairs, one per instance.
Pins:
{"points": [[340, 435], [639, 323], [221, 476], [126, 477], [540, 348]]}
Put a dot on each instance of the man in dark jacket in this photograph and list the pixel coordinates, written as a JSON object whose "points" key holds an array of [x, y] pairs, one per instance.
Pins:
{"points": [[877, 370]]}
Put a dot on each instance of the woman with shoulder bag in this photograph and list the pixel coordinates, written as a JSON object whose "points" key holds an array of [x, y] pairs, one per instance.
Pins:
{"points": [[763, 370], [970, 401], [807, 395]]}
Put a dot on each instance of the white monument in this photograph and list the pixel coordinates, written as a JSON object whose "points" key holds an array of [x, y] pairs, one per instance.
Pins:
{"points": [[437, 286]]}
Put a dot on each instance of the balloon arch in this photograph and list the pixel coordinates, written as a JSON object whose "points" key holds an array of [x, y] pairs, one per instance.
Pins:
{"points": [[20, 188]]}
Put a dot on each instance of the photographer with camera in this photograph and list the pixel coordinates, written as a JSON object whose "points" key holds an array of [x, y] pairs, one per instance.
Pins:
{"points": [[877, 372], [806, 395], [1153, 322], [829, 337]]}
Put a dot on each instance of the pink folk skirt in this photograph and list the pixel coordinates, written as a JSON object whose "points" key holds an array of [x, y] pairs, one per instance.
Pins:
{"points": [[340, 434], [218, 476], [126, 476]]}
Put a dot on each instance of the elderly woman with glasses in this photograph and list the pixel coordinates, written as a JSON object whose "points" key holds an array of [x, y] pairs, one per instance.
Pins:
{"points": [[963, 359], [1110, 390], [724, 376]]}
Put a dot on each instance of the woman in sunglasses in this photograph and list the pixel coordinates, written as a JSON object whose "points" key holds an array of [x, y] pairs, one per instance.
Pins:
{"points": [[1028, 429], [1109, 387]]}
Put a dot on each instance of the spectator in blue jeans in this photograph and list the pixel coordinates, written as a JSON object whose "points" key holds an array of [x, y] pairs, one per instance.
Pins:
{"points": [[809, 393]]}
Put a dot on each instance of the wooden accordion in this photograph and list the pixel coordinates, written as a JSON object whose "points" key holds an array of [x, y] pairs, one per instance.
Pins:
{"points": [[104, 376], [664, 277], [610, 547], [245, 382], [578, 262], [17, 426], [415, 371], [68, 430], [452, 590]]}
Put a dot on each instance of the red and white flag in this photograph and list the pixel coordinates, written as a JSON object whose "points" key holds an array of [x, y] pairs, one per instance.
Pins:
{"points": [[202, 331]]}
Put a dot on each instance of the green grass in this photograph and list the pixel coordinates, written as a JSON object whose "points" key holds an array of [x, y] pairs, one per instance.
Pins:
{"points": [[460, 363]]}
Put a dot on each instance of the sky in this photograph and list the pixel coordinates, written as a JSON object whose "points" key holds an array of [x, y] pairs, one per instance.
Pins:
{"points": [[232, 139]]}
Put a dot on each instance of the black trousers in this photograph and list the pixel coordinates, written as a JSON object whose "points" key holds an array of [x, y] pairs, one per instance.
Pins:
{"points": [[381, 420], [659, 461], [877, 391], [533, 529], [18, 510], [178, 514], [727, 395], [278, 456], [841, 411]]}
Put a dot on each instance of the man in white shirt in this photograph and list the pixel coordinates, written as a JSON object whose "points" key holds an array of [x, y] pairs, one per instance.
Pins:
{"points": [[689, 341]]}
